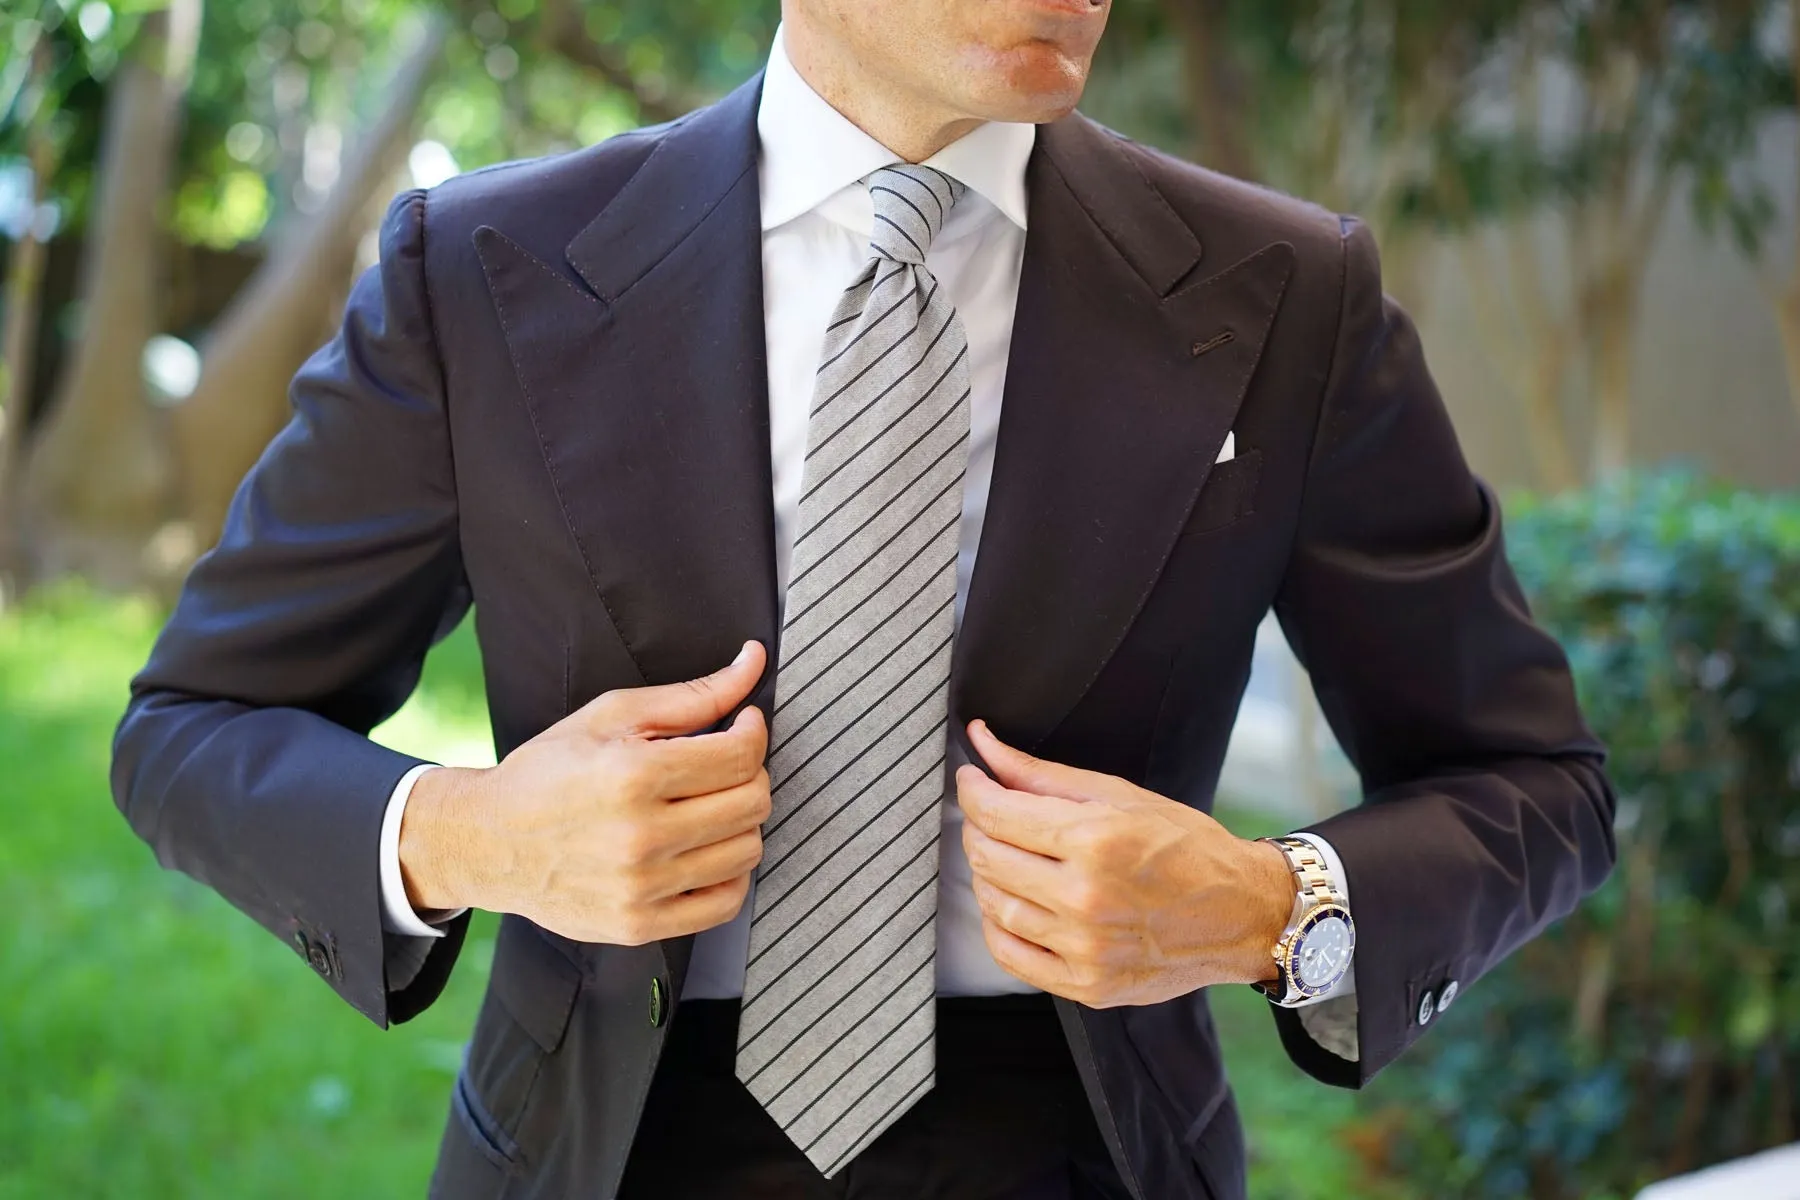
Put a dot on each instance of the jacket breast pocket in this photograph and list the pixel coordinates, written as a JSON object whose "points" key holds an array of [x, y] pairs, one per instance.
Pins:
{"points": [[1228, 497]]}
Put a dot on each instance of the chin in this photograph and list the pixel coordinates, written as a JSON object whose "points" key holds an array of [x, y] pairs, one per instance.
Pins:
{"points": [[1032, 86]]}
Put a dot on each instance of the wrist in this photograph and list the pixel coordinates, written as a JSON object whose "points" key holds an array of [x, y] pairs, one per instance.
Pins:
{"points": [[435, 850], [1269, 891]]}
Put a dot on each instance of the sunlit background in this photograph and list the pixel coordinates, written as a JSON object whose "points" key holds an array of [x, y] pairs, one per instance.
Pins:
{"points": [[1589, 205]]}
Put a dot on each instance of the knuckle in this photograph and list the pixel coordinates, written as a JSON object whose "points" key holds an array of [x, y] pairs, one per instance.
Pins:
{"points": [[1087, 947], [976, 852], [747, 758], [757, 734], [1081, 840], [635, 846], [633, 780], [610, 708], [1085, 899], [1101, 846], [631, 885], [731, 900]]}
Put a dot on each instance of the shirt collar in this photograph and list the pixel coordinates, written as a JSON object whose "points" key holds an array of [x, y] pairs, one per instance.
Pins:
{"points": [[811, 152]]}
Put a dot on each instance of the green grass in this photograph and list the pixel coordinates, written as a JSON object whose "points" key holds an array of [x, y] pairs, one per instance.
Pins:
{"points": [[154, 1043]]}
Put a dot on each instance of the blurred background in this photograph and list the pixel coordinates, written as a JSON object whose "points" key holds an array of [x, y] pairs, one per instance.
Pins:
{"points": [[1588, 204]]}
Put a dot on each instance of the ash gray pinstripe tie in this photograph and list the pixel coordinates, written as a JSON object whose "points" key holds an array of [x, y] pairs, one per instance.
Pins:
{"points": [[835, 1038]]}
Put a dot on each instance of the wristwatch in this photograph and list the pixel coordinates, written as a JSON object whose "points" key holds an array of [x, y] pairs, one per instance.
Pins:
{"points": [[1313, 953]]}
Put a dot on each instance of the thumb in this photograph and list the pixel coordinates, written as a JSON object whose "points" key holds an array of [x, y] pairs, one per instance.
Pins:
{"points": [[672, 709], [1022, 772]]}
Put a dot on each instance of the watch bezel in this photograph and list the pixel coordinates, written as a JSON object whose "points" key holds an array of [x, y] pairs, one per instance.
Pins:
{"points": [[1287, 956]]}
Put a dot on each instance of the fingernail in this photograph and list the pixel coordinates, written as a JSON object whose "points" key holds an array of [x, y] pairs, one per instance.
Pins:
{"points": [[743, 655], [980, 726]]}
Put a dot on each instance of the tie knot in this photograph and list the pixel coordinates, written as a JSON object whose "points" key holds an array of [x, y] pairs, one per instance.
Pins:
{"points": [[910, 206]]}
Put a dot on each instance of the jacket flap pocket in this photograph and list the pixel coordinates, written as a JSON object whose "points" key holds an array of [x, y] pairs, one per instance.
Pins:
{"points": [[535, 982]]}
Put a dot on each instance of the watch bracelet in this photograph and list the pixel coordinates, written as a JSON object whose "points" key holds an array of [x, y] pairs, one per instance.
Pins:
{"points": [[1315, 886]]}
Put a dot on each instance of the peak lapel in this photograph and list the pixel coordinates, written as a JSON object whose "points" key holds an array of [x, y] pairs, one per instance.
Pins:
{"points": [[1119, 396], [649, 394]]}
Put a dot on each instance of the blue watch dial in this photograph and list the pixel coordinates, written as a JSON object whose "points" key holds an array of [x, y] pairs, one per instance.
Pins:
{"points": [[1321, 955]]}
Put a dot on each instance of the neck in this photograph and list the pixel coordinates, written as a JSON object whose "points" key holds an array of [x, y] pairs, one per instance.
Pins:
{"points": [[910, 125]]}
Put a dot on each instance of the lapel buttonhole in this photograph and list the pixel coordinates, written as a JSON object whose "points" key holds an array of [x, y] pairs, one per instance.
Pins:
{"points": [[1213, 343]]}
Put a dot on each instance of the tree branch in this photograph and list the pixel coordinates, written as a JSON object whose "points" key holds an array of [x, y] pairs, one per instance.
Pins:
{"points": [[1218, 100], [560, 30]]}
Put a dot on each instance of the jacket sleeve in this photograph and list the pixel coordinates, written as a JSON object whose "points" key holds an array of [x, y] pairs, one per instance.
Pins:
{"points": [[1486, 814], [242, 757]]}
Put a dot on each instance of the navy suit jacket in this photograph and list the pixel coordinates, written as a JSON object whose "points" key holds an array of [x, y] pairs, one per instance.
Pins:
{"points": [[550, 400]]}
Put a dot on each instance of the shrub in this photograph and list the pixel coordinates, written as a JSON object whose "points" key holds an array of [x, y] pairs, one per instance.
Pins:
{"points": [[1658, 1028]]}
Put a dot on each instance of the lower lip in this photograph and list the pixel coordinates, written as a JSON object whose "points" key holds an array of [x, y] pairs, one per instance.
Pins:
{"points": [[1079, 8]]}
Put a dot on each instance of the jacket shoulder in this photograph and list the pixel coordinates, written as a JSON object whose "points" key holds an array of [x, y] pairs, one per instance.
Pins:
{"points": [[540, 202], [1234, 217]]}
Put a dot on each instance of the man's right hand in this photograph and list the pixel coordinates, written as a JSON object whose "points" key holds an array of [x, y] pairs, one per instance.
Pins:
{"points": [[611, 825]]}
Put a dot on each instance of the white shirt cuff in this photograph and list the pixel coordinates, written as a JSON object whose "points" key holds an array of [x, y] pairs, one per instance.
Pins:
{"points": [[1347, 985], [397, 914]]}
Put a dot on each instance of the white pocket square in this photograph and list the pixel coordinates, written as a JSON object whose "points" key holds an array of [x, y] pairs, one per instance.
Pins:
{"points": [[1228, 451]]}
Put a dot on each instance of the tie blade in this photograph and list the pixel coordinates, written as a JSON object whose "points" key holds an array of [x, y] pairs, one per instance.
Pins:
{"points": [[843, 1081]]}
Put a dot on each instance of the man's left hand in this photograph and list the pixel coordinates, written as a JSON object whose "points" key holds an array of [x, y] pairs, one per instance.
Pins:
{"points": [[1096, 890]]}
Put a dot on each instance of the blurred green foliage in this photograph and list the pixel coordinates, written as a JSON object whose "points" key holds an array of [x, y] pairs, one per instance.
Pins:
{"points": [[272, 74], [1657, 1029], [1406, 111], [1419, 112], [153, 1042]]}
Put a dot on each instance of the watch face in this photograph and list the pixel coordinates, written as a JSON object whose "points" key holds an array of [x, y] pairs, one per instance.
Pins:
{"points": [[1323, 954]]}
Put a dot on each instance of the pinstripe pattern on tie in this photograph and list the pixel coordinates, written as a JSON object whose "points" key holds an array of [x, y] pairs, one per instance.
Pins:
{"points": [[836, 1034]]}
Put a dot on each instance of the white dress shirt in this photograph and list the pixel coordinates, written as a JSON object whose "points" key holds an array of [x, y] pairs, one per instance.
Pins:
{"points": [[817, 216]]}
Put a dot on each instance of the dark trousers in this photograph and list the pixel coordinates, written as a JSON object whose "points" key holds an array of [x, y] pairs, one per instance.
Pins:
{"points": [[1007, 1120]]}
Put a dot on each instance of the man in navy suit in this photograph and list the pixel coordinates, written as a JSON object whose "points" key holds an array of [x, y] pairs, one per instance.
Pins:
{"points": [[978, 440]]}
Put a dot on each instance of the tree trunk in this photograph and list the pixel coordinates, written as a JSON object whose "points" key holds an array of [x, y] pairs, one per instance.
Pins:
{"points": [[1609, 349], [1545, 423], [562, 29], [18, 336], [1611, 285], [240, 402], [98, 477], [1218, 99], [1787, 308], [1787, 320], [1406, 256], [1534, 364]]}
